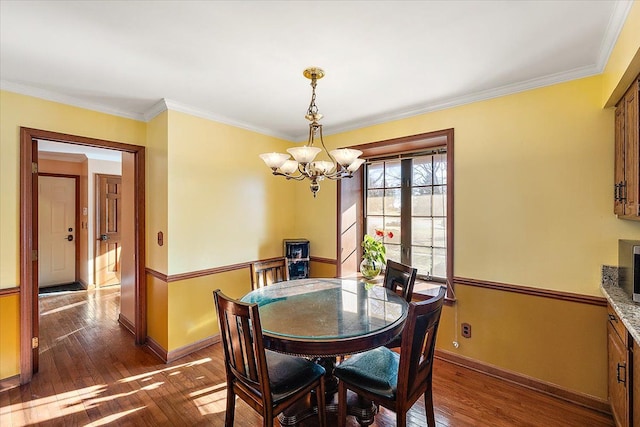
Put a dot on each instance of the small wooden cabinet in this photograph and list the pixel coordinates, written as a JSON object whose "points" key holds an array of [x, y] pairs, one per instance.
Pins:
{"points": [[635, 391], [627, 154], [618, 357], [623, 372]]}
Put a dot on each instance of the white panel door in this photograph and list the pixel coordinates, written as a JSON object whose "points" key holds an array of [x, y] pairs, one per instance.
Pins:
{"points": [[56, 233]]}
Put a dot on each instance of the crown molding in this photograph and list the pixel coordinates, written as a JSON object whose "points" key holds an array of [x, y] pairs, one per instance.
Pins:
{"points": [[552, 79], [614, 28], [167, 104], [66, 99]]}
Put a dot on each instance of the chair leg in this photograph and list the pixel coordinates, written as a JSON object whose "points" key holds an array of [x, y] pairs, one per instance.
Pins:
{"points": [[428, 406], [267, 417], [320, 401], [231, 406], [401, 418], [342, 404]]}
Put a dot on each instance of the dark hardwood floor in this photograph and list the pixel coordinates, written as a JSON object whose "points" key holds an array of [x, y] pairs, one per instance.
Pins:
{"points": [[91, 374]]}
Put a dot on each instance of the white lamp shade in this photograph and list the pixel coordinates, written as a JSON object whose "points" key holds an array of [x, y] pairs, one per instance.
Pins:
{"points": [[323, 166], [345, 156], [289, 166], [274, 160], [304, 154], [355, 165]]}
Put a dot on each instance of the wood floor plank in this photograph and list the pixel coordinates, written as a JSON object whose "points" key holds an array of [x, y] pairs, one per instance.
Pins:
{"points": [[91, 374]]}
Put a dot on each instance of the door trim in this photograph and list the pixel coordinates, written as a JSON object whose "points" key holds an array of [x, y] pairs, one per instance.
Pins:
{"points": [[76, 220], [29, 314]]}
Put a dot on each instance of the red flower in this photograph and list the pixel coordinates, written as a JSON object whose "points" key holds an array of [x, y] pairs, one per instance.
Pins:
{"points": [[390, 235], [379, 233]]}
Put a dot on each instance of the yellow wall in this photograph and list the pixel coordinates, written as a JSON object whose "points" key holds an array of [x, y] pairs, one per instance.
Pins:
{"points": [[558, 342], [156, 177], [533, 177], [9, 336], [157, 311], [224, 206], [192, 315]]}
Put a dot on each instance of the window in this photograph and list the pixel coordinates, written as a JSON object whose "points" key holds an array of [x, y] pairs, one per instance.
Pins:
{"points": [[406, 187], [407, 196]]}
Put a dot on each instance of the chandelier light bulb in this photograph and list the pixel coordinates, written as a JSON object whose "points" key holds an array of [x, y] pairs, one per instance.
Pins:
{"points": [[304, 154], [274, 160], [289, 167]]}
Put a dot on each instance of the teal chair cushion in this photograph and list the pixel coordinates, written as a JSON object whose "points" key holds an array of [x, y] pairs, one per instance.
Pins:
{"points": [[375, 371]]}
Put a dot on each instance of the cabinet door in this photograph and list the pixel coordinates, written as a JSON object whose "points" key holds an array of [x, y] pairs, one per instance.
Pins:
{"points": [[636, 385], [632, 151], [618, 206], [618, 397]]}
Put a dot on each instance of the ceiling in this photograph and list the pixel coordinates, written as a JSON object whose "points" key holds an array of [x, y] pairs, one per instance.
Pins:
{"points": [[241, 62]]}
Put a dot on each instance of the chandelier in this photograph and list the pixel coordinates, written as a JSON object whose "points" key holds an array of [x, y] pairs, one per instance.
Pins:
{"points": [[344, 161]]}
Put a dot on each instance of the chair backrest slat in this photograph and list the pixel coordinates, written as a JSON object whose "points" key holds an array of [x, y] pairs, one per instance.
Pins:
{"points": [[401, 276], [264, 273]]}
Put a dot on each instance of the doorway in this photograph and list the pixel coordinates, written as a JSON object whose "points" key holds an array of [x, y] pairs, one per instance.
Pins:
{"points": [[29, 239]]}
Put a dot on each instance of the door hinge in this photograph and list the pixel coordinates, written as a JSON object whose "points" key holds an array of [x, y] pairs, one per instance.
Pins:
{"points": [[34, 342], [34, 255], [34, 167]]}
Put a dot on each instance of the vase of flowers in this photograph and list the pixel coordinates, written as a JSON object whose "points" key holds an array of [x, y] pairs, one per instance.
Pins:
{"points": [[373, 254]]}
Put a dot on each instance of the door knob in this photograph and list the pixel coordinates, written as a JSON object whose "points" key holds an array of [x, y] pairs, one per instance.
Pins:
{"points": [[70, 237], [104, 237]]}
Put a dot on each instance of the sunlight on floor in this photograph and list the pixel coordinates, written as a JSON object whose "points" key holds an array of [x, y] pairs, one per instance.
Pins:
{"points": [[210, 397], [112, 418], [66, 307], [171, 368]]}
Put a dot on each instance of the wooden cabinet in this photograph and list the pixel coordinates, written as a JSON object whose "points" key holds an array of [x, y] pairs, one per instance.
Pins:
{"points": [[635, 389], [618, 357], [627, 154], [623, 373]]}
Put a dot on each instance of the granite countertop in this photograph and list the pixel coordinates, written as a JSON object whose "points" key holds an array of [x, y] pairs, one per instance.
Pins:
{"points": [[626, 309]]}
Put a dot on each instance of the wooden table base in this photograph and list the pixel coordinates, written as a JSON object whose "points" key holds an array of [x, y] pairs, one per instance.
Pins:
{"points": [[363, 410]]}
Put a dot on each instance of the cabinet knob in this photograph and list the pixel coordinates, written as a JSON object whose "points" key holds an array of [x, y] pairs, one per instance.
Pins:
{"points": [[613, 318]]}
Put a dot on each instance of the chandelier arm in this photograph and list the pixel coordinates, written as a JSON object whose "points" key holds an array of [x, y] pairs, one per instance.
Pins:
{"points": [[294, 177], [335, 162]]}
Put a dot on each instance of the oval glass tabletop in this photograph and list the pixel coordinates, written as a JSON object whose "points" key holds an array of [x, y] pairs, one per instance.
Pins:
{"points": [[327, 317]]}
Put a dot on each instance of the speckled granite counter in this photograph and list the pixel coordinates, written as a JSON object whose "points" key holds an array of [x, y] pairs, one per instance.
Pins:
{"points": [[626, 309]]}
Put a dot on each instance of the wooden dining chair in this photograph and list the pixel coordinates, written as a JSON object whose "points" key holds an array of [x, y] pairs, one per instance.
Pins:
{"points": [[269, 382], [264, 273], [399, 278], [396, 381]]}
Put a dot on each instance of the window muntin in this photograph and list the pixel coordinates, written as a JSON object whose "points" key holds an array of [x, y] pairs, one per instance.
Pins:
{"points": [[415, 213]]}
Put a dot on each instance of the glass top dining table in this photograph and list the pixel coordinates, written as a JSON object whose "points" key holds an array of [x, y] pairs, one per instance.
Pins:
{"points": [[327, 317]]}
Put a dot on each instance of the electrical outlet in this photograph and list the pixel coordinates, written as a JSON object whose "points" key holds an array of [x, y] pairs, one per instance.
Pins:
{"points": [[466, 330]]}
